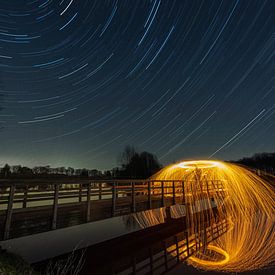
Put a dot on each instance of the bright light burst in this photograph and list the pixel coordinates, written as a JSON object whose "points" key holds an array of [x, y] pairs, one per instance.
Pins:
{"points": [[231, 192]]}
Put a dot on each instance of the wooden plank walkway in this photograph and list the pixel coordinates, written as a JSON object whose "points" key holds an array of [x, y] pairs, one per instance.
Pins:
{"points": [[153, 250]]}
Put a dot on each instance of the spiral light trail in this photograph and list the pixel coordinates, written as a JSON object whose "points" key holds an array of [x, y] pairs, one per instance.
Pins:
{"points": [[240, 196]]}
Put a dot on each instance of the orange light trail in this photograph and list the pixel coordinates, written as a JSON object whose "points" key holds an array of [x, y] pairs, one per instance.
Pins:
{"points": [[237, 194]]}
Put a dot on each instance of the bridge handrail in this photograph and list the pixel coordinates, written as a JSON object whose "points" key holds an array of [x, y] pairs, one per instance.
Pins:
{"points": [[42, 181], [26, 196]]}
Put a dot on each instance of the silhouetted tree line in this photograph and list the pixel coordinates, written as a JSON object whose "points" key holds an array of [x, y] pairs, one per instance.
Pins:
{"points": [[261, 161], [17, 171], [133, 165]]}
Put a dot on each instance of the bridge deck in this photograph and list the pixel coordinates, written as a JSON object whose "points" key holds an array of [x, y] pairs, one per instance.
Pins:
{"points": [[153, 250]]}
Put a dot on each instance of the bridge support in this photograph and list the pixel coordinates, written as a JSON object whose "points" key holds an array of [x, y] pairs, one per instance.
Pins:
{"points": [[55, 206], [9, 213], [133, 197], [162, 194], [25, 196], [114, 199], [149, 195], [168, 214], [88, 217]]}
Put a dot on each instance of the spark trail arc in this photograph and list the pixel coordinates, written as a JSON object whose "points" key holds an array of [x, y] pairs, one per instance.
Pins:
{"points": [[234, 193]]}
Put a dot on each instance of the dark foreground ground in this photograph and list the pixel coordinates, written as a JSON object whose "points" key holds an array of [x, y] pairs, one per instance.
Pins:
{"points": [[183, 269]]}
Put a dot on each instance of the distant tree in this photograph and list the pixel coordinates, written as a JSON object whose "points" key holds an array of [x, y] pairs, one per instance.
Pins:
{"points": [[116, 172], [61, 170], [70, 171], [150, 164], [127, 155], [261, 161], [107, 174], [94, 173], [138, 165], [16, 169], [41, 170], [6, 171], [26, 171], [84, 172], [78, 172]]}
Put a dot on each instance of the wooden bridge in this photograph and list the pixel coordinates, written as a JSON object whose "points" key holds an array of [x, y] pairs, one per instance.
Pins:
{"points": [[33, 206]]}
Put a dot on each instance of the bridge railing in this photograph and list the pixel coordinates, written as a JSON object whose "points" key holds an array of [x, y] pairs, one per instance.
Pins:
{"points": [[47, 204], [33, 206], [31, 194]]}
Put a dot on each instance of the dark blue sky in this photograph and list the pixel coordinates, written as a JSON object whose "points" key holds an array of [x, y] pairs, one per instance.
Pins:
{"points": [[80, 79]]}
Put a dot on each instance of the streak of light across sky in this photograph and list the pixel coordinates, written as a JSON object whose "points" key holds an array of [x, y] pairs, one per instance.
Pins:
{"points": [[80, 80]]}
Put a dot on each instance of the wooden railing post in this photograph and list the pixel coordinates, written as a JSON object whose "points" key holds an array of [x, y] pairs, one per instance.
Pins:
{"points": [[88, 217], [25, 196], [196, 241], [204, 239], [80, 193], [149, 195], [174, 192], [9, 213], [165, 255], [100, 191], [162, 194], [177, 248], [55, 206], [114, 196], [183, 193], [187, 243], [133, 197]]}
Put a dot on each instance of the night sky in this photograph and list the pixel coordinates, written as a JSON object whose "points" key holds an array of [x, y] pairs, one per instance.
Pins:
{"points": [[80, 79]]}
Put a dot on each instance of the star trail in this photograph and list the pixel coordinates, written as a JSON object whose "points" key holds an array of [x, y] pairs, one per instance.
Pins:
{"points": [[81, 79]]}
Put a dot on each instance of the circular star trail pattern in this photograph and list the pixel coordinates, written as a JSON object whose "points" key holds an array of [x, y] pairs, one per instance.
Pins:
{"points": [[81, 79]]}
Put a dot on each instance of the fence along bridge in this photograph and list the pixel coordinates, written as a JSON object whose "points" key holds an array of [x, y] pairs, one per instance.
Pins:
{"points": [[39, 205]]}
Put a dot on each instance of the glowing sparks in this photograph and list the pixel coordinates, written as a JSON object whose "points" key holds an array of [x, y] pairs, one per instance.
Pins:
{"points": [[231, 192], [212, 263], [202, 164]]}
